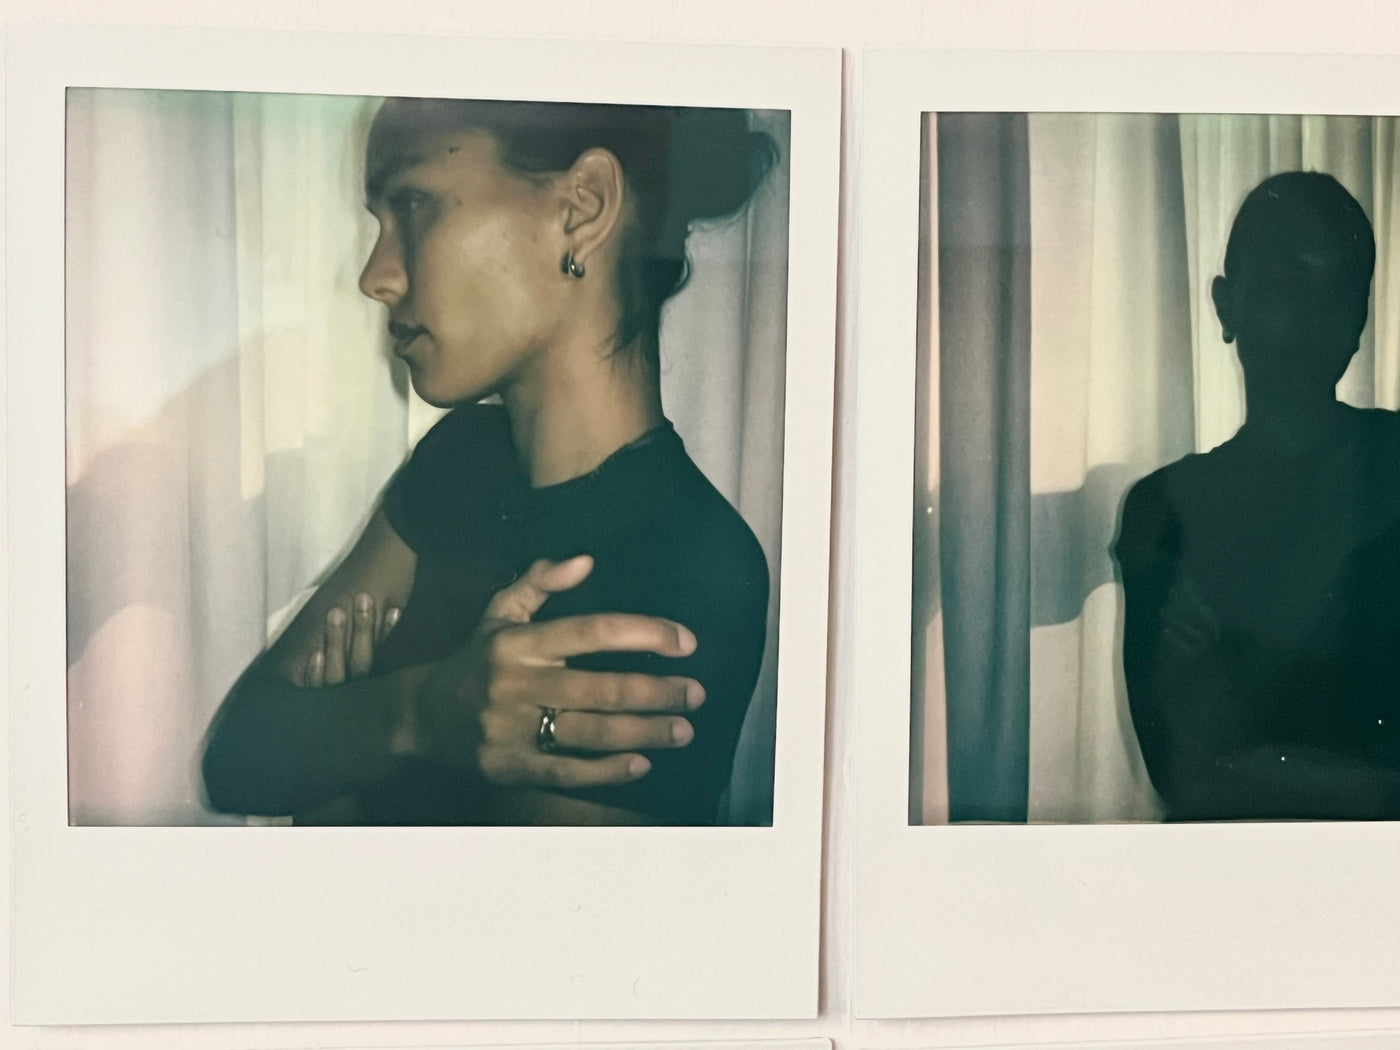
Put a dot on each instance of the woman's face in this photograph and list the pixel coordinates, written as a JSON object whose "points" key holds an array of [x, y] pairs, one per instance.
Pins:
{"points": [[467, 258], [1297, 305]]}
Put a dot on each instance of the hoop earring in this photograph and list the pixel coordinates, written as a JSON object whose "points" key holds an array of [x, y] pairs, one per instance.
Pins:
{"points": [[571, 266]]}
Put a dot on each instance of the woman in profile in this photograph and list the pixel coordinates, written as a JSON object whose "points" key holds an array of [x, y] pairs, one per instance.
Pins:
{"points": [[1261, 639], [553, 617]]}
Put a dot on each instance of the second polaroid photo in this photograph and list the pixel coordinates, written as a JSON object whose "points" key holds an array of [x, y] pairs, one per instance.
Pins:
{"points": [[1144, 502]]}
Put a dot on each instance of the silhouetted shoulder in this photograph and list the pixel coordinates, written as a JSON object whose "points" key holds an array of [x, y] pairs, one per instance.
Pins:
{"points": [[1149, 528]]}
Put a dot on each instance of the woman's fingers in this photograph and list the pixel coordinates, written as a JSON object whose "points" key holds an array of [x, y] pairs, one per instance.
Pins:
{"points": [[346, 650], [362, 631], [516, 726], [595, 633], [516, 767], [315, 675], [587, 731], [519, 601], [389, 620], [601, 691], [335, 646]]}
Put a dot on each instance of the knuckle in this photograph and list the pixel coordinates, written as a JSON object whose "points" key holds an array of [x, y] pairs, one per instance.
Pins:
{"points": [[661, 695], [493, 725], [498, 689], [611, 627], [627, 692], [611, 692], [678, 695], [498, 647], [594, 733], [593, 631]]}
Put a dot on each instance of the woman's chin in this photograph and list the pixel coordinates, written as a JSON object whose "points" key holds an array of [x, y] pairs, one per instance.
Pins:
{"points": [[442, 396]]}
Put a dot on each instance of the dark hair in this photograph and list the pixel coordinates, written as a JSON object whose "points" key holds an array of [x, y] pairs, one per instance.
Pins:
{"points": [[681, 165], [1283, 205]]}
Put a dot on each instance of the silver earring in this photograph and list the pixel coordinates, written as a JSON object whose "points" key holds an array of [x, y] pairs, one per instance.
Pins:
{"points": [[571, 266]]}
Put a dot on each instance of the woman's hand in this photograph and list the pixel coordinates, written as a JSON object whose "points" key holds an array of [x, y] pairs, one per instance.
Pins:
{"points": [[346, 648], [484, 706]]}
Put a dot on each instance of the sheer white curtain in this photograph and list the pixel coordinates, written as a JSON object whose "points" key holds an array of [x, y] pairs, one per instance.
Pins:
{"points": [[232, 413], [1129, 215], [1110, 400]]}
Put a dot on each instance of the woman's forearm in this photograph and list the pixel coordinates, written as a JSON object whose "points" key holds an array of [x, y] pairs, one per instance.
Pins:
{"points": [[1216, 755], [276, 748]]}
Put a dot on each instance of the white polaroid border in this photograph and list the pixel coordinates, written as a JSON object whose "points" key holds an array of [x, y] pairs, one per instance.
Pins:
{"points": [[136, 925], [961, 920]]}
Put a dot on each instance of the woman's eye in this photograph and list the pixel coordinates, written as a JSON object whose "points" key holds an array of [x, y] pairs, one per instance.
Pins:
{"points": [[411, 206]]}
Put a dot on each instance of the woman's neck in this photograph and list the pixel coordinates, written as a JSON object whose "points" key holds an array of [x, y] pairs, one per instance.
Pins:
{"points": [[579, 405], [1293, 425]]}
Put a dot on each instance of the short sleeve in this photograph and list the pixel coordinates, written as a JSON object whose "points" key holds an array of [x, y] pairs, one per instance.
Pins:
{"points": [[716, 583], [1148, 533]]}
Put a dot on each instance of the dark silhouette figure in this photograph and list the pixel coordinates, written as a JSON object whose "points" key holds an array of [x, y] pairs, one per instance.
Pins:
{"points": [[1261, 637]]}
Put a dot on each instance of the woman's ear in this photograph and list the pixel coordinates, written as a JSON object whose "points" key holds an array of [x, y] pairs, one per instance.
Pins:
{"points": [[1220, 294], [594, 195]]}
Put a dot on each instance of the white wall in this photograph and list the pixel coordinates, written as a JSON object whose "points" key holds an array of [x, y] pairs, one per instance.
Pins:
{"points": [[1220, 25]]}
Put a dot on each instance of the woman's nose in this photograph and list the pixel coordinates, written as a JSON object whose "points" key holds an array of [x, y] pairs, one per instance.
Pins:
{"points": [[383, 277]]}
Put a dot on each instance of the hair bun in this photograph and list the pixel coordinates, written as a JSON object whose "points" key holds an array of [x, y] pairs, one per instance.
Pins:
{"points": [[714, 165]]}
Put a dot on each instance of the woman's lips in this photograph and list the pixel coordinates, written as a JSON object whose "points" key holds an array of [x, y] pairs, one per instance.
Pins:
{"points": [[404, 335]]}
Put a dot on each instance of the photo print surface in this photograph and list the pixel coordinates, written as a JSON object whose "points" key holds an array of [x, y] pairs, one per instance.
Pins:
{"points": [[1157, 493], [424, 460]]}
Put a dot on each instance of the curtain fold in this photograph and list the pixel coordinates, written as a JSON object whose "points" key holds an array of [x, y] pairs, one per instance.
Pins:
{"points": [[233, 410], [984, 454], [928, 753], [1110, 399]]}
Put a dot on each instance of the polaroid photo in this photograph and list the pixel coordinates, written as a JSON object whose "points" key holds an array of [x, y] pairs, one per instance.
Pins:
{"points": [[437, 581], [1129, 373]]}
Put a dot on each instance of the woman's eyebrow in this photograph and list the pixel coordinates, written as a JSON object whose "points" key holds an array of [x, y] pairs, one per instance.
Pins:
{"points": [[380, 177]]}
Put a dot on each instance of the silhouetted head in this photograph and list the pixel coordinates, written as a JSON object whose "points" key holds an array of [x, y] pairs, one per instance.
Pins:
{"points": [[484, 204], [1297, 282]]}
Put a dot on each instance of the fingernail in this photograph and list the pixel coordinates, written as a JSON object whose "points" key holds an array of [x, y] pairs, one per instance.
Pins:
{"points": [[363, 603], [685, 639], [392, 616], [682, 732], [317, 659], [337, 616], [694, 694], [638, 766]]}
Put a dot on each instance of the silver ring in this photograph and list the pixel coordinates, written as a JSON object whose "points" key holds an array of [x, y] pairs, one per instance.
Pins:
{"points": [[544, 733]]}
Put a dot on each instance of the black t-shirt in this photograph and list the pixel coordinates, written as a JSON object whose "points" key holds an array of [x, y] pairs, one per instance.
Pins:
{"points": [[1263, 602], [664, 543]]}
